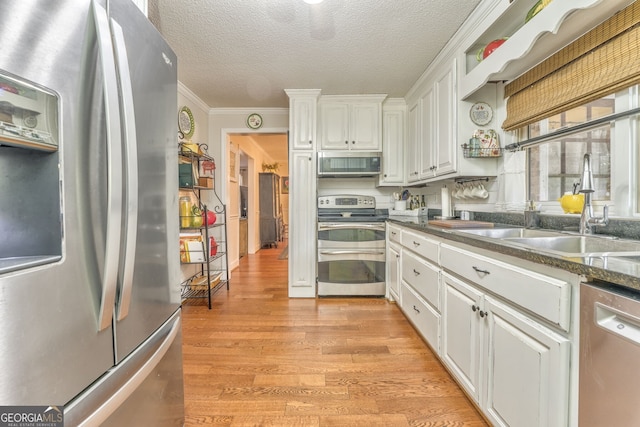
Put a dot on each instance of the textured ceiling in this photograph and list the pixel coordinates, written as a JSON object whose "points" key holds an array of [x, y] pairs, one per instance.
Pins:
{"points": [[243, 53]]}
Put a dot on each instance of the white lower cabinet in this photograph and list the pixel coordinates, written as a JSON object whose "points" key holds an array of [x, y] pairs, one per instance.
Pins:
{"points": [[504, 331], [393, 272], [425, 318], [515, 368]]}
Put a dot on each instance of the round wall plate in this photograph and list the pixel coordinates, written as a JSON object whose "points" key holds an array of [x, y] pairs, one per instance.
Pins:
{"points": [[186, 124], [254, 121], [481, 113]]}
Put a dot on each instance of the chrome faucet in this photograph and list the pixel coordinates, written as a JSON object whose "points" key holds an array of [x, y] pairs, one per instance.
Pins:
{"points": [[587, 220]]}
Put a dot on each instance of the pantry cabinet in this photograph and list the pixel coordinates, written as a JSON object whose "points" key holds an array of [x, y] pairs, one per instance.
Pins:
{"points": [[302, 224], [302, 192], [351, 122]]}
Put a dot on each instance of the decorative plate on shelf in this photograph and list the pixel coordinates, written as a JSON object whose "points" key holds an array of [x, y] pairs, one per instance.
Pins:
{"points": [[481, 113], [254, 121], [186, 124]]}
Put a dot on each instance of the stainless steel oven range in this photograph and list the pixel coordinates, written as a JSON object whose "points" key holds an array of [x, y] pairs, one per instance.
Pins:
{"points": [[351, 246]]}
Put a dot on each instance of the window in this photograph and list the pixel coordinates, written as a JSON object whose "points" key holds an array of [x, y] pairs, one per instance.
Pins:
{"points": [[555, 166]]}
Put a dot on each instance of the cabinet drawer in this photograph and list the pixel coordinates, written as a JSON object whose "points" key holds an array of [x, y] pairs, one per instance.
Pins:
{"points": [[424, 318], [421, 245], [423, 278], [546, 296], [394, 234]]}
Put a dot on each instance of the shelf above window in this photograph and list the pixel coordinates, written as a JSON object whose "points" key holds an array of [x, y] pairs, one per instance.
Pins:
{"points": [[528, 44]]}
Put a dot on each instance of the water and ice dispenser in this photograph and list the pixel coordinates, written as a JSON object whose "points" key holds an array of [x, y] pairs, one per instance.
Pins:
{"points": [[30, 195]]}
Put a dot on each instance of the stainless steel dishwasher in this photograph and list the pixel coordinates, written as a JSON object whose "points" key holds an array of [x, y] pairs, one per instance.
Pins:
{"points": [[609, 356]]}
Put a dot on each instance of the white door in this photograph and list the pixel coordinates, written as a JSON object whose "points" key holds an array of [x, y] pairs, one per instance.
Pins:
{"points": [[334, 126], [427, 160], [303, 122], [302, 224], [527, 371], [392, 147], [462, 331], [414, 141], [364, 127], [445, 112], [393, 273]]}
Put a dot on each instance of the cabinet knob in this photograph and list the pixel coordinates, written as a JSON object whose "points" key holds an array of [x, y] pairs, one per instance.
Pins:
{"points": [[310, 142], [353, 142], [474, 308], [483, 313], [346, 142]]}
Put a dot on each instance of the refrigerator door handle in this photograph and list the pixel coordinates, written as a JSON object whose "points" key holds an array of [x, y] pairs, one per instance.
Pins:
{"points": [[114, 168], [130, 145]]}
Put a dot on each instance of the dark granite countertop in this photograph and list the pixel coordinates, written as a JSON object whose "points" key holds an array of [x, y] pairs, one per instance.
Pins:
{"points": [[622, 271]]}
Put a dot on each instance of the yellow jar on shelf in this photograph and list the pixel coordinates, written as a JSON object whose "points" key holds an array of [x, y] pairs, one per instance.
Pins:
{"points": [[185, 212]]}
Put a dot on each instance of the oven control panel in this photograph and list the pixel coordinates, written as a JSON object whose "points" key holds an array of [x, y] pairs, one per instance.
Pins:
{"points": [[346, 201]]}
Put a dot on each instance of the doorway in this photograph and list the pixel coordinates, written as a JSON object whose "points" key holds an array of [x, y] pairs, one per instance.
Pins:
{"points": [[253, 153]]}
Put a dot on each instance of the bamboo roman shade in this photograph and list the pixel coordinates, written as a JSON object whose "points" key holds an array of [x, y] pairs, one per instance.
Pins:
{"points": [[601, 62]]}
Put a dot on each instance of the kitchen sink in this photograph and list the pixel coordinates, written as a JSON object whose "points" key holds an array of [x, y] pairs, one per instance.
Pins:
{"points": [[561, 243], [581, 245], [508, 233]]}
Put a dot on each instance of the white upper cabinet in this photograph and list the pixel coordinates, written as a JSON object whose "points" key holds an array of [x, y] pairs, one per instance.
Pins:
{"points": [[432, 128], [414, 142], [393, 136], [351, 122], [302, 118]]}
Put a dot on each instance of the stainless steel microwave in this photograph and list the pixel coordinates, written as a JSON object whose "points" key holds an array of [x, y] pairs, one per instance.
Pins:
{"points": [[348, 164]]}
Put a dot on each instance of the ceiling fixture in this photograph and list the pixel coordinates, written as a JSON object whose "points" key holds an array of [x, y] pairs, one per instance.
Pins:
{"points": [[313, 1]]}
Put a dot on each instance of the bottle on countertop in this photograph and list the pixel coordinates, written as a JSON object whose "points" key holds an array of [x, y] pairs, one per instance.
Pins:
{"points": [[422, 203]]}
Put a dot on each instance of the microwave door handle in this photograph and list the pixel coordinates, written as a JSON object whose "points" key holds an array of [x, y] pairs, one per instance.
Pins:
{"points": [[114, 168], [130, 145]]}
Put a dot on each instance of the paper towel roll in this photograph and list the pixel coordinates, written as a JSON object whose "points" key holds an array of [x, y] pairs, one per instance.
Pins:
{"points": [[446, 201]]}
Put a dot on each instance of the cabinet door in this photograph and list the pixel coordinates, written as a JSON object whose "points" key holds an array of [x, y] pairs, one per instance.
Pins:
{"points": [[334, 126], [303, 123], [461, 332], [427, 160], [392, 147], [393, 273], [444, 142], [302, 225], [364, 127], [527, 371], [414, 139]]}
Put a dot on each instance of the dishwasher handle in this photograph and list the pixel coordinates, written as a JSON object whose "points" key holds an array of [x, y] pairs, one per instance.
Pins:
{"points": [[618, 323]]}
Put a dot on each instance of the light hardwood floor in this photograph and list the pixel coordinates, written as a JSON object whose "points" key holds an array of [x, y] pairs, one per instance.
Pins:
{"points": [[259, 358]]}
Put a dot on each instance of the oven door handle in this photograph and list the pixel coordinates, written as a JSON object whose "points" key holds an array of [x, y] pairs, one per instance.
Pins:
{"points": [[351, 252], [337, 225]]}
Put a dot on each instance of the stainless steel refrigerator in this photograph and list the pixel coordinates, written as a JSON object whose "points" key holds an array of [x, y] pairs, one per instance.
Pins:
{"points": [[89, 265]]}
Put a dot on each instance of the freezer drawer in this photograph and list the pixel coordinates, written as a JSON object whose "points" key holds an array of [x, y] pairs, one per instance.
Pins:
{"points": [[146, 388], [609, 356]]}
